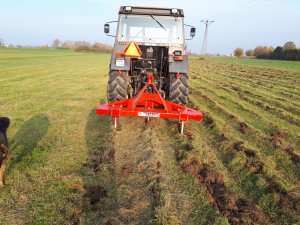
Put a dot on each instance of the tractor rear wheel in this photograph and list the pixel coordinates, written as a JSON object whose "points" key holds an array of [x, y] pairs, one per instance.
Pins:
{"points": [[117, 87], [179, 89]]}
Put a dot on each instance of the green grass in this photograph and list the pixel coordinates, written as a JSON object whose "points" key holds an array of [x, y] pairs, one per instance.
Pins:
{"points": [[60, 148], [50, 97], [262, 63]]}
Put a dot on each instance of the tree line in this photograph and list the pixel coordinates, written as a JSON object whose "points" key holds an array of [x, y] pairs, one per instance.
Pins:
{"points": [[82, 46], [78, 46], [288, 51]]}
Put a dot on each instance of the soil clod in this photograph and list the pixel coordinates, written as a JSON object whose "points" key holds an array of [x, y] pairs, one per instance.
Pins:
{"points": [[230, 206], [244, 128], [95, 194], [293, 156], [208, 121]]}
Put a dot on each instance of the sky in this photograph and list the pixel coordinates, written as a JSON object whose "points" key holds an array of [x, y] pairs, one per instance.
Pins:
{"points": [[238, 23]]}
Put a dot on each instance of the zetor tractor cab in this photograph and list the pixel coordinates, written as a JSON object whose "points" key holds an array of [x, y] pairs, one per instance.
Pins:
{"points": [[149, 40]]}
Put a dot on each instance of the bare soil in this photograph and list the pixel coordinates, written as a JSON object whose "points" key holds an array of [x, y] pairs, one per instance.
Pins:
{"points": [[235, 209]]}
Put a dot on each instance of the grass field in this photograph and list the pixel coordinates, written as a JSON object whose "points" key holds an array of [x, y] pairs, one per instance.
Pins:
{"points": [[240, 165]]}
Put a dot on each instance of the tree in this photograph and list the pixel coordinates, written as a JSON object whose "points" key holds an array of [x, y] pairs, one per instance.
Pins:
{"points": [[250, 52], [263, 52], [288, 52], [55, 43], [238, 52], [289, 46], [277, 53], [1, 42]]}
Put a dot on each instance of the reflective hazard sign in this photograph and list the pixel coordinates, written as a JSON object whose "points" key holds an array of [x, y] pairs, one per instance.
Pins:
{"points": [[132, 50]]}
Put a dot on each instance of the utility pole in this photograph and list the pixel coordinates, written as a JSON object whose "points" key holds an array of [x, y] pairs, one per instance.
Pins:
{"points": [[204, 46]]}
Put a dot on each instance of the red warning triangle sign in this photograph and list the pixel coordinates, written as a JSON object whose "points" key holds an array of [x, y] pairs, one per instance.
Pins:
{"points": [[132, 50]]}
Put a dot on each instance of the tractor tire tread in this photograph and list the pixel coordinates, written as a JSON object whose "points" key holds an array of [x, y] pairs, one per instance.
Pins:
{"points": [[179, 89], [117, 87]]}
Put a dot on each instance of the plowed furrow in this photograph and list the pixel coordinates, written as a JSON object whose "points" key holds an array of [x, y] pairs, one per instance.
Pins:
{"points": [[135, 173], [150, 185]]}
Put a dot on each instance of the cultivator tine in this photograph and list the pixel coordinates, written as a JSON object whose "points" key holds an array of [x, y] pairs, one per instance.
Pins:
{"points": [[115, 122], [181, 123]]}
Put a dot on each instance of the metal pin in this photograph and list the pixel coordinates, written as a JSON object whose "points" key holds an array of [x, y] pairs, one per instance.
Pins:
{"points": [[181, 127], [115, 122]]}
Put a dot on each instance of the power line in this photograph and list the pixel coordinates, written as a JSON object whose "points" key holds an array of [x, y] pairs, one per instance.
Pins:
{"points": [[204, 46]]}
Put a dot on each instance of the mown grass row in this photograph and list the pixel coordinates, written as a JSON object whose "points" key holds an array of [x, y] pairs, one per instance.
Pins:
{"points": [[280, 65], [229, 77], [262, 119], [245, 148], [257, 94], [254, 173], [250, 77], [209, 83]]}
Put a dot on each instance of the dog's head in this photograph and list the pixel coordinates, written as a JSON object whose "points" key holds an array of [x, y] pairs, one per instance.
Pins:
{"points": [[4, 124]]}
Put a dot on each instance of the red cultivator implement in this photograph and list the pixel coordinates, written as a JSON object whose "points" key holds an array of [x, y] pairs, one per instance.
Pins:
{"points": [[149, 103]]}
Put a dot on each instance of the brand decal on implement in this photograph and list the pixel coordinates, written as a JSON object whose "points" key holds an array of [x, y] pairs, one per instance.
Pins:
{"points": [[148, 114]]}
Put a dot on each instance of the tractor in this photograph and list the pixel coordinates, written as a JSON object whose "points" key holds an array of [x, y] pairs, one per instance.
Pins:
{"points": [[159, 34], [148, 72]]}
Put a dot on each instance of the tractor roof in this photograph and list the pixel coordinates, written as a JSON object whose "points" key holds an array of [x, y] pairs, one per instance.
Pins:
{"points": [[151, 11]]}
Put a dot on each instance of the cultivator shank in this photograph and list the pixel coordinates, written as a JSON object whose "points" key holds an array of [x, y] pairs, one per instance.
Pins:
{"points": [[149, 103]]}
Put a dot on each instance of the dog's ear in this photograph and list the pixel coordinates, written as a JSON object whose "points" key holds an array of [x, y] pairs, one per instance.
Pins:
{"points": [[5, 122]]}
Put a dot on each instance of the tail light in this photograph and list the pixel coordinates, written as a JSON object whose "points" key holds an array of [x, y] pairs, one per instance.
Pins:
{"points": [[178, 58], [120, 55], [178, 55]]}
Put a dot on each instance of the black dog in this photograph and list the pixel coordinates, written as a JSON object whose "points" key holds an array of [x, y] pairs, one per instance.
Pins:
{"points": [[4, 124]]}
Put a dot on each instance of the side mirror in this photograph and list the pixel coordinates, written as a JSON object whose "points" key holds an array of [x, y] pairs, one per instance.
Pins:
{"points": [[106, 28], [193, 32]]}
